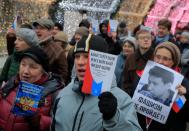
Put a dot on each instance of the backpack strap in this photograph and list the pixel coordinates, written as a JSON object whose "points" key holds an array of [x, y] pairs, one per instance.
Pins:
{"points": [[54, 113]]}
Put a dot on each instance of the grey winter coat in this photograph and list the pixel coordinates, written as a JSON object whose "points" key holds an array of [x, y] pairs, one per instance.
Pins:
{"points": [[185, 64], [75, 111], [185, 58]]}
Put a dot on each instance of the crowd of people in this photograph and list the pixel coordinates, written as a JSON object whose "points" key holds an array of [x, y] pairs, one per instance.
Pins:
{"points": [[41, 53]]}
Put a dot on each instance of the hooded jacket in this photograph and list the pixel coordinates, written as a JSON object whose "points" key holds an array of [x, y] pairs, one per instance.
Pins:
{"points": [[76, 111], [10, 67], [114, 47], [119, 68], [185, 64]]}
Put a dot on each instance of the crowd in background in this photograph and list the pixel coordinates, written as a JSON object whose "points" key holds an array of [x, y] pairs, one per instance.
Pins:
{"points": [[41, 53]]}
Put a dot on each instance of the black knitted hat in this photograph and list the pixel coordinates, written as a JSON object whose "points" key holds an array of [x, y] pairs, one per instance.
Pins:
{"points": [[38, 55], [84, 23], [91, 42]]}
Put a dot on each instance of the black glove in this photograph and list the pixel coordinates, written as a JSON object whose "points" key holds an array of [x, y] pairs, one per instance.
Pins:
{"points": [[107, 105], [34, 120]]}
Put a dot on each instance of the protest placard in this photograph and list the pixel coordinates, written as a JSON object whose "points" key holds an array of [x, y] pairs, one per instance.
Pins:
{"points": [[95, 26], [113, 25], [99, 72], [27, 99], [156, 91]]}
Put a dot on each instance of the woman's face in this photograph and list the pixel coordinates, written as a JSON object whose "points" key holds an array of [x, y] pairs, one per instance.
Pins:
{"points": [[128, 48], [163, 56], [20, 44], [29, 70], [77, 37]]}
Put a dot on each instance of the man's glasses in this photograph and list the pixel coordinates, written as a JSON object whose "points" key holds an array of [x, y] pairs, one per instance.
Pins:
{"points": [[164, 58], [145, 37]]}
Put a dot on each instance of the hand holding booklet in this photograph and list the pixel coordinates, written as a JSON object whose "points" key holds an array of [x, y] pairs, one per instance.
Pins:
{"points": [[27, 99]]}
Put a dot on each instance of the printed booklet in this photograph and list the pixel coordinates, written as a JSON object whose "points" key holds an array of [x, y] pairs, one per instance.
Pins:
{"points": [[27, 99]]}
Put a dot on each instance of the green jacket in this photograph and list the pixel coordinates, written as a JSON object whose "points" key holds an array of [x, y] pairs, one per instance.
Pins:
{"points": [[10, 67]]}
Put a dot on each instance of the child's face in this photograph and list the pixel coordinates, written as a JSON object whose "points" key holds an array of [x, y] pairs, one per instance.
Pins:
{"points": [[184, 39], [162, 31]]}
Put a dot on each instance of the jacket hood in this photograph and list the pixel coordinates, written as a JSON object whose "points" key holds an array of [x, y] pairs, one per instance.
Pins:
{"points": [[105, 22]]}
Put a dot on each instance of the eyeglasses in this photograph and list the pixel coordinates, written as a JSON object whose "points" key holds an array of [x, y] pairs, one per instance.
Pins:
{"points": [[164, 58], [145, 37]]}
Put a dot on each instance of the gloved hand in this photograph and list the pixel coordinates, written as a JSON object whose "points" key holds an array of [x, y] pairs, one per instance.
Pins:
{"points": [[107, 105], [34, 120]]}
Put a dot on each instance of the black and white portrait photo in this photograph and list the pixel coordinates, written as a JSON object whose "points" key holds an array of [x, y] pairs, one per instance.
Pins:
{"points": [[158, 86], [156, 91]]}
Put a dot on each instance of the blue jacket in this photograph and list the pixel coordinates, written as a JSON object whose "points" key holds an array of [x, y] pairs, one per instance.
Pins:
{"points": [[119, 68]]}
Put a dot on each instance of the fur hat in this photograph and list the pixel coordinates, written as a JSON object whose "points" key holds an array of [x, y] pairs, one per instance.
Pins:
{"points": [[91, 42], [38, 55], [28, 35], [83, 31], [61, 36], [173, 49]]}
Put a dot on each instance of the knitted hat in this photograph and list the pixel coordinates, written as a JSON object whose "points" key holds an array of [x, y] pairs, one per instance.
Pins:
{"points": [[122, 24], [61, 36], [46, 23], [91, 42], [83, 31], [185, 34], [84, 23], [28, 35], [38, 55], [173, 49], [132, 41]]}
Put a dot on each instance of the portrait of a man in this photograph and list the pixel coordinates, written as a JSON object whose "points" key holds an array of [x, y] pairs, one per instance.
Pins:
{"points": [[159, 85]]}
